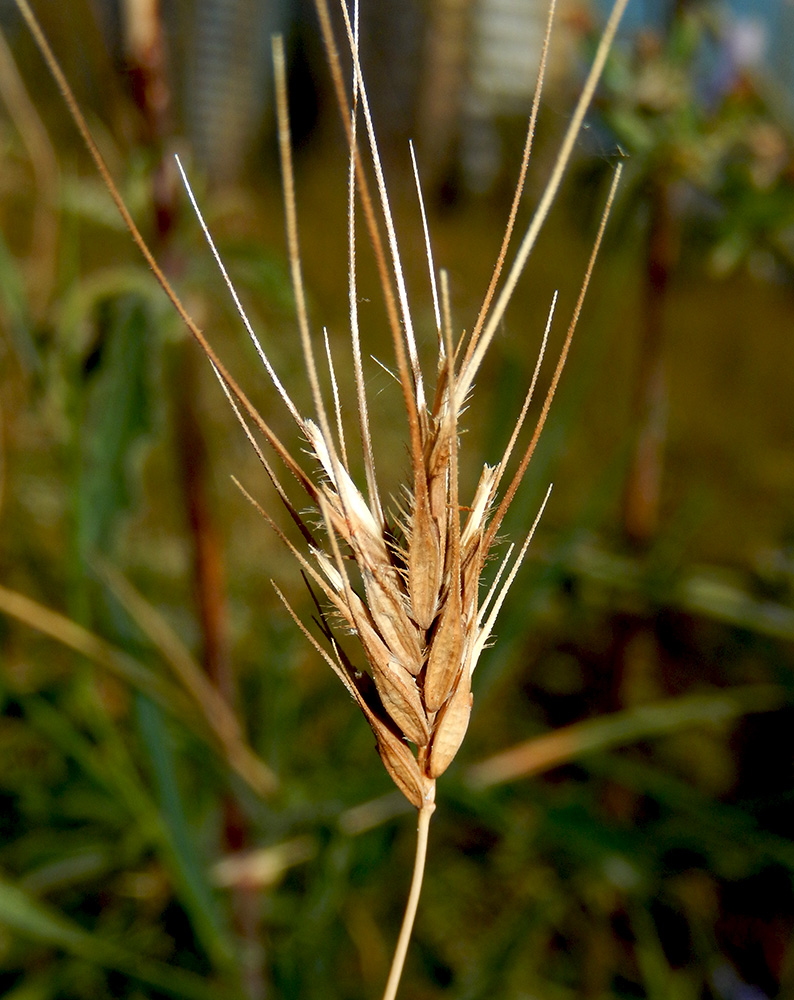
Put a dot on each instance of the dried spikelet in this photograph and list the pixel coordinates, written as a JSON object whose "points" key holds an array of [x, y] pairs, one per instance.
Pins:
{"points": [[451, 725]]}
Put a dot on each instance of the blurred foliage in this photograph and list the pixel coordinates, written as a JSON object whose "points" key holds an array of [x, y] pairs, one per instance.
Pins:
{"points": [[691, 104], [139, 858]]}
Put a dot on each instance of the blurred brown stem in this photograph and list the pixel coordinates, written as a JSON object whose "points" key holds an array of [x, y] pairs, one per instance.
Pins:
{"points": [[643, 482], [208, 574]]}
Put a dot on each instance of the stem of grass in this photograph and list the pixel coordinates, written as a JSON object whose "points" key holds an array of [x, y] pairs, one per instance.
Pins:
{"points": [[423, 828]]}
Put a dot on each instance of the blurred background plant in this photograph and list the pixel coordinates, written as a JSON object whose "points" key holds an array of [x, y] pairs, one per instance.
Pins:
{"points": [[618, 824]]}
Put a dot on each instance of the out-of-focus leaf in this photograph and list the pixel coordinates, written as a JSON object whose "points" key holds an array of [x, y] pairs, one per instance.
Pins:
{"points": [[116, 416], [216, 710], [107, 656], [28, 916], [35, 986], [714, 594], [111, 768], [660, 979], [187, 864], [713, 824], [15, 306], [80, 302], [621, 728], [89, 200]]}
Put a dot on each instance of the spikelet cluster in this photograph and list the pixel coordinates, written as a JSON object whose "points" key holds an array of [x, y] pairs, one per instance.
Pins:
{"points": [[414, 598], [419, 617], [408, 588], [406, 585]]}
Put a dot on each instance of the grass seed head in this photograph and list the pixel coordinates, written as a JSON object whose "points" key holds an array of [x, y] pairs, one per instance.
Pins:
{"points": [[416, 610]]}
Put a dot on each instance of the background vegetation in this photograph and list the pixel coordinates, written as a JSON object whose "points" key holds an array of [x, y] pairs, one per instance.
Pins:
{"points": [[637, 840]]}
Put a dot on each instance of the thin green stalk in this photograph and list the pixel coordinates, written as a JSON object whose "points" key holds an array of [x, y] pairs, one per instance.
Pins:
{"points": [[423, 828]]}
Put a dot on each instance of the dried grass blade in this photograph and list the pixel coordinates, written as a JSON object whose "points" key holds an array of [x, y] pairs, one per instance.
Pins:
{"points": [[218, 713], [617, 729], [73, 636]]}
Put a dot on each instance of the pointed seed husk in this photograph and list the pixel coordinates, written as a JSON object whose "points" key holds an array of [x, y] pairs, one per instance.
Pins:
{"points": [[400, 697], [443, 664], [452, 723], [424, 564], [400, 763], [391, 619]]}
